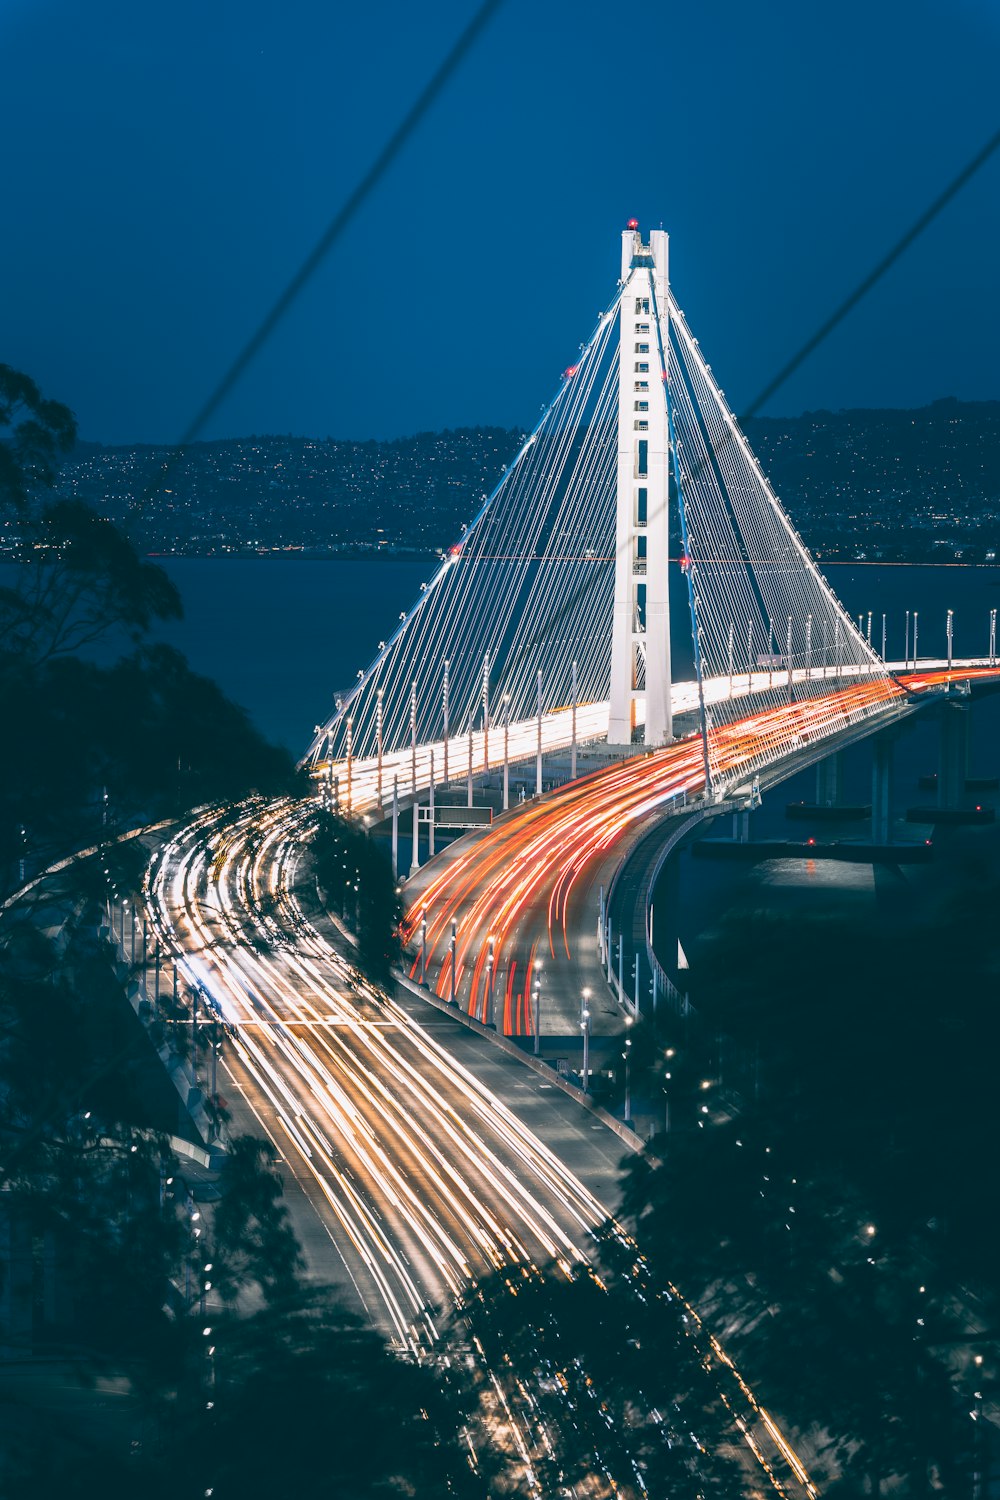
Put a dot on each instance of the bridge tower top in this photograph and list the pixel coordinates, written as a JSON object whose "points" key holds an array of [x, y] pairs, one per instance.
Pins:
{"points": [[640, 641]]}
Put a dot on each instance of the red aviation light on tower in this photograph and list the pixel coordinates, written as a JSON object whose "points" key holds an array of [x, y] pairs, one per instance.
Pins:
{"points": [[632, 224], [570, 371]]}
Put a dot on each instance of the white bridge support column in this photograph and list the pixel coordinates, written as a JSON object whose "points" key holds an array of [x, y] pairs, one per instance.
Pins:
{"points": [[641, 617]]}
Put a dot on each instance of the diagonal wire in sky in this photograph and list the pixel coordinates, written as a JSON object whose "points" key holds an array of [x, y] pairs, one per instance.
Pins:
{"points": [[875, 275], [863, 287], [363, 190], [345, 214]]}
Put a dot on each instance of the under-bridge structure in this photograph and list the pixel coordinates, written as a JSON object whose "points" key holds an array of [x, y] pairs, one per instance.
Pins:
{"points": [[560, 620]]}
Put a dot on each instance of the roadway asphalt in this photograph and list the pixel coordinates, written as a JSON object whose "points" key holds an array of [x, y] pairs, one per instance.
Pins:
{"points": [[416, 1155], [527, 890], [426, 1158]]}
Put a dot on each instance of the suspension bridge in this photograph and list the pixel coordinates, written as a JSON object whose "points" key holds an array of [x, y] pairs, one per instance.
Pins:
{"points": [[556, 623]]}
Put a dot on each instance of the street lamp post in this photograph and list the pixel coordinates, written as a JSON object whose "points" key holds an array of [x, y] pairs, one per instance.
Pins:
{"points": [[585, 1028], [951, 636], [627, 1055], [454, 945], [423, 947], [669, 1054], [536, 1004], [491, 1019]]}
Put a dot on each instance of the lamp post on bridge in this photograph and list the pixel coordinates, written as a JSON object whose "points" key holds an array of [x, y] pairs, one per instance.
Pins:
{"points": [[916, 617], [415, 851], [506, 751], [950, 629], [470, 761], [906, 643], [444, 714], [538, 750], [378, 745], [486, 711], [627, 1055], [883, 636], [809, 645], [572, 752], [430, 810], [993, 637]]}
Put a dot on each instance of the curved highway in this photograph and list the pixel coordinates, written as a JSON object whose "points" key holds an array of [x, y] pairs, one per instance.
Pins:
{"points": [[526, 891]]}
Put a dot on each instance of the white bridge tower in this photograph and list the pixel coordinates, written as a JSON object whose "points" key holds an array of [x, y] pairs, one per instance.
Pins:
{"points": [[640, 640]]}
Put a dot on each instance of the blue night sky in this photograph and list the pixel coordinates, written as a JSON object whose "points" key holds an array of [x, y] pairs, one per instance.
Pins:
{"points": [[168, 167]]}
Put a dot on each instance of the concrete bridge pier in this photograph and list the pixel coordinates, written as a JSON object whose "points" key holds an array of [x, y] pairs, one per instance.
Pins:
{"points": [[829, 775], [882, 746], [953, 766]]}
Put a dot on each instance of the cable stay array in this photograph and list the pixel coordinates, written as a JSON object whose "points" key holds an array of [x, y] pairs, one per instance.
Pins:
{"points": [[516, 622], [764, 618], [525, 590]]}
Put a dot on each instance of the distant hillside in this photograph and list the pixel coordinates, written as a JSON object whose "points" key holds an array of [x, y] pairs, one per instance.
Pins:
{"points": [[889, 484], [892, 484]]}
